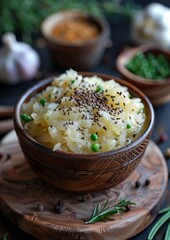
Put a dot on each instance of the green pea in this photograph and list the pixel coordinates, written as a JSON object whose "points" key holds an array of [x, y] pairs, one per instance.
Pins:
{"points": [[43, 101], [128, 126], [94, 137], [99, 89], [25, 117], [95, 147]]}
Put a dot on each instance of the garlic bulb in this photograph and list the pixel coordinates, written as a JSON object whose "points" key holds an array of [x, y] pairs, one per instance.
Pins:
{"points": [[152, 25], [18, 61]]}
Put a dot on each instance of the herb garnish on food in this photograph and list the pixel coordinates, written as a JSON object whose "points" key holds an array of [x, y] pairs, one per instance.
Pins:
{"points": [[104, 212]]}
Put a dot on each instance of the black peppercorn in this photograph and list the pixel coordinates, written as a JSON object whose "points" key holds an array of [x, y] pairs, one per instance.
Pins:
{"points": [[82, 199], [40, 207], [147, 182], [58, 207], [137, 184], [127, 208]]}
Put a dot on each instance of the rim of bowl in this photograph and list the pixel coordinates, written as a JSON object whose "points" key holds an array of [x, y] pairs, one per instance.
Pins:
{"points": [[127, 54], [104, 25], [45, 82]]}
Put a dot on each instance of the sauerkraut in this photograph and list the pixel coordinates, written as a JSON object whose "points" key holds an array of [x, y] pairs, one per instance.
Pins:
{"points": [[79, 114]]}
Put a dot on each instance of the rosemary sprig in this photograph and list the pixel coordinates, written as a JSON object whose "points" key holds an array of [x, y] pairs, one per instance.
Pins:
{"points": [[103, 212], [167, 234], [14, 19], [4, 237], [160, 223]]}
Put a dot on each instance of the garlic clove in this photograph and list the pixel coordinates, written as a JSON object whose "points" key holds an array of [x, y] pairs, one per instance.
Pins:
{"points": [[155, 11], [19, 62], [151, 25]]}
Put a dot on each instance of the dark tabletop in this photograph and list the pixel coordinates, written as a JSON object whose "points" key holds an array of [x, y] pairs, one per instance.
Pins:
{"points": [[120, 38]]}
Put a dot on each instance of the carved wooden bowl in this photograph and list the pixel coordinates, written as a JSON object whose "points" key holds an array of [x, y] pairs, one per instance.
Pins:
{"points": [[157, 91], [81, 55], [83, 172]]}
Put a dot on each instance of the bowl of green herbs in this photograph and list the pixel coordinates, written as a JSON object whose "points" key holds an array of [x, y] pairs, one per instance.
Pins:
{"points": [[147, 67]]}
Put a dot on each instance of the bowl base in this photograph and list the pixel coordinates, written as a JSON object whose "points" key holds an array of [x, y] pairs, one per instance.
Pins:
{"points": [[22, 192]]}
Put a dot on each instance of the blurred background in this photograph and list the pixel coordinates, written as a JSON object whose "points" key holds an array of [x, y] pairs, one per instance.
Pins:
{"points": [[24, 18], [29, 52]]}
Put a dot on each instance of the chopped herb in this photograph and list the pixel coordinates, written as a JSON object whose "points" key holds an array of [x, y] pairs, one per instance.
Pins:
{"points": [[104, 212], [94, 137], [140, 110], [149, 66], [73, 81], [95, 147], [25, 117], [43, 101], [99, 89], [128, 126]]}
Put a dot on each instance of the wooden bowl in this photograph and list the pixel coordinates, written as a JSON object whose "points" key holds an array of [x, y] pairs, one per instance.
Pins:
{"points": [[83, 172], [157, 91], [80, 55]]}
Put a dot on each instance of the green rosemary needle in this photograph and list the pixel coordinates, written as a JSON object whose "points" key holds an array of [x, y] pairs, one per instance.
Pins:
{"points": [[164, 210], [4, 237], [103, 212], [158, 225], [167, 234]]}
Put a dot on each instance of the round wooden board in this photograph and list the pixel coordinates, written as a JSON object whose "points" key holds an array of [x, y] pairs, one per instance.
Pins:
{"points": [[21, 192]]}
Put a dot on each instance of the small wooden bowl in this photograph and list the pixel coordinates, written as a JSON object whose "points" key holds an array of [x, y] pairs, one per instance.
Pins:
{"points": [[157, 91], [83, 172], [81, 55]]}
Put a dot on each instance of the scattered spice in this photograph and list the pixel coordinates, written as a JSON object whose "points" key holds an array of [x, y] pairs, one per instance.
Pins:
{"points": [[82, 199], [8, 156], [163, 138], [128, 208], [147, 182], [40, 207], [137, 184], [75, 30], [58, 207], [1, 155]]}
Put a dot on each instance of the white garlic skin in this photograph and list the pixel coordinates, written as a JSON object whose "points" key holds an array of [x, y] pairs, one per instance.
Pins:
{"points": [[19, 62], [152, 25]]}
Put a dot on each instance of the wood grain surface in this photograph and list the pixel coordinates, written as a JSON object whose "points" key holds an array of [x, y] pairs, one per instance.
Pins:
{"points": [[30, 203]]}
